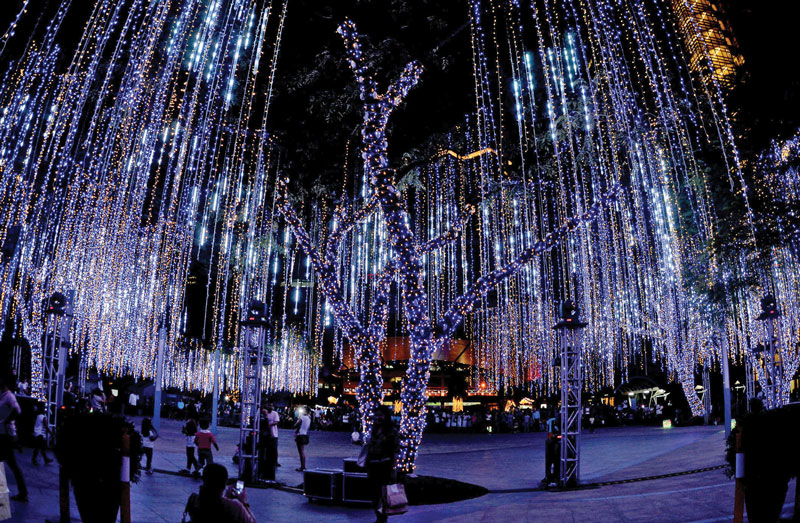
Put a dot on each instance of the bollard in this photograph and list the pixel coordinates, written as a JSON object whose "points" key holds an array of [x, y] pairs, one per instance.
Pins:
{"points": [[125, 480], [738, 503]]}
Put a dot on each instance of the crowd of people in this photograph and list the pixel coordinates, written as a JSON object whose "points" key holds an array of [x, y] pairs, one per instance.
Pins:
{"points": [[534, 419], [200, 443]]}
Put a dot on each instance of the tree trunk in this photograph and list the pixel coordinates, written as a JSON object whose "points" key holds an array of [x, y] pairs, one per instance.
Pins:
{"points": [[414, 396], [369, 392], [686, 377]]}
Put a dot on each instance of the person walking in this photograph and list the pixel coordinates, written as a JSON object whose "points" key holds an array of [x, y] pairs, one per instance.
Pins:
{"points": [[40, 433], [301, 436], [189, 430], [9, 409], [204, 439], [149, 437], [381, 450]]}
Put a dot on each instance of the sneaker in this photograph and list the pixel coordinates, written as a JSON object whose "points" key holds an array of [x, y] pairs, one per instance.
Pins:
{"points": [[299, 469], [149, 471], [20, 498]]}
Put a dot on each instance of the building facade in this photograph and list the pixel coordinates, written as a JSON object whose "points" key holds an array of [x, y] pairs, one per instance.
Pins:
{"points": [[713, 50]]}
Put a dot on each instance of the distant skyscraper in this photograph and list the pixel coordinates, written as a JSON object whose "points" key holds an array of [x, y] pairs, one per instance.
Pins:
{"points": [[709, 38]]}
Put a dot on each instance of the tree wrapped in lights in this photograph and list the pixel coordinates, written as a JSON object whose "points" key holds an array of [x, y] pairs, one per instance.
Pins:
{"points": [[425, 336]]}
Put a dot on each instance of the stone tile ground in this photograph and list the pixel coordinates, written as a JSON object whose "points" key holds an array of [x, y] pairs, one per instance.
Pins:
{"points": [[509, 465]]}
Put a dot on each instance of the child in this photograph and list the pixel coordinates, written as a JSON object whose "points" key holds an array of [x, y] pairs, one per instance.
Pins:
{"points": [[149, 436], [204, 439], [40, 431], [190, 431]]}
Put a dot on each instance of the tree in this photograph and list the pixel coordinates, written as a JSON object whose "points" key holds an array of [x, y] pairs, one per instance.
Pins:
{"points": [[405, 264]]}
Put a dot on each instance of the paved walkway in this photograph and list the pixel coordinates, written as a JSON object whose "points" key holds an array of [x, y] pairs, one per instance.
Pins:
{"points": [[509, 465]]}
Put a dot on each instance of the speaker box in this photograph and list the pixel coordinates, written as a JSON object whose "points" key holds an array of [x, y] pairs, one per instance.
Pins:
{"points": [[356, 488], [323, 484]]}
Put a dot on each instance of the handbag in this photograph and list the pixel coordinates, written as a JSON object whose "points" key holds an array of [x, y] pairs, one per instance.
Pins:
{"points": [[394, 499], [362, 456]]}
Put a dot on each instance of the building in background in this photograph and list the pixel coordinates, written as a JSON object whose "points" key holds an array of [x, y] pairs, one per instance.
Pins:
{"points": [[713, 50]]}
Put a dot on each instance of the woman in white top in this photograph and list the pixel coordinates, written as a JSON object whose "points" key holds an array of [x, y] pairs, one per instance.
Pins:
{"points": [[301, 436], [40, 430], [149, 437]]}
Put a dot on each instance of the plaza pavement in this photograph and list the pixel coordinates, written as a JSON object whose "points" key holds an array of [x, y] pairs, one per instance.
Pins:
{"points": [[509, 465]]}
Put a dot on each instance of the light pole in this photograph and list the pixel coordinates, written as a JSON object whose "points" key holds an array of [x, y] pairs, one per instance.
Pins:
{"points": [[215, 393], [726, 383], [162, 345]]}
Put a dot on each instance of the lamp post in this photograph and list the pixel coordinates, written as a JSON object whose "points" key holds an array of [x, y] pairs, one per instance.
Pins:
{"points": [[163, 327], [215, 394], [726, 383]]}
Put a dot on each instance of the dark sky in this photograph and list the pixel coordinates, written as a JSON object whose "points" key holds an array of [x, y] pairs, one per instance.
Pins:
{"points": [[767, 34], [315, 109]]}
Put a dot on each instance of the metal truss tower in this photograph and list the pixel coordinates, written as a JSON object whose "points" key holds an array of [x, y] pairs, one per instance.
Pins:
{"points": [[58, 313], [254, 357], [570, 345]]}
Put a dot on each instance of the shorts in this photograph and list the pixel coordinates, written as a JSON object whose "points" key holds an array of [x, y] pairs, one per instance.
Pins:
{"points": [[301, 439]]}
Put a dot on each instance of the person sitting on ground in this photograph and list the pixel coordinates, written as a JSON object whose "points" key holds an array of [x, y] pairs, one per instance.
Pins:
{"points": [[213, 504]]}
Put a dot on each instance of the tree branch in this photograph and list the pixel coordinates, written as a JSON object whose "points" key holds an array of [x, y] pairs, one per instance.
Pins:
{"points": [[380, 304], [451, 233], [400, 88], [464, 304], [324, 269], [353, 49], [345, 222]]}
